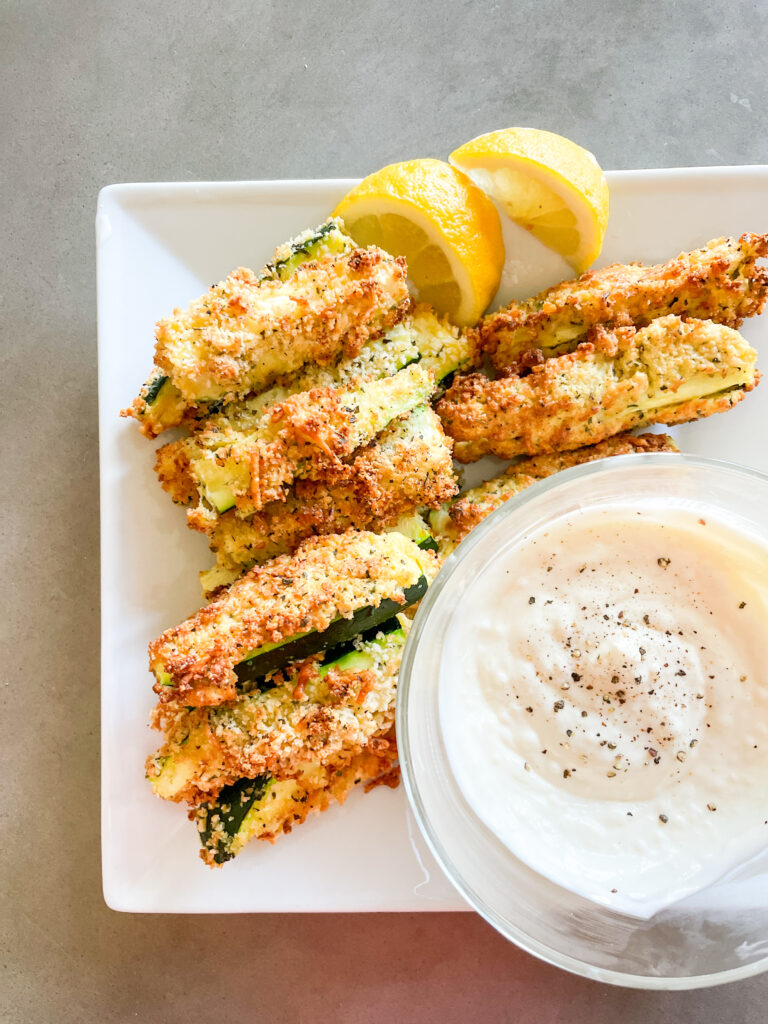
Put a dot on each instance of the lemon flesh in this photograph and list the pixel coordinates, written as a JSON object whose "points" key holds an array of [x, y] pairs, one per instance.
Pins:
{"points": [[547, 184], [447, 229]]}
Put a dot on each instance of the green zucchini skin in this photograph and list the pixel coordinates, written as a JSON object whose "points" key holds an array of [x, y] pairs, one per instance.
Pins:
{"points": [[332, 654], [254, 669], [339, 650], [155, 388], [230, 808], [326, 239], [221, 821], [429, 544], [415, 528]]}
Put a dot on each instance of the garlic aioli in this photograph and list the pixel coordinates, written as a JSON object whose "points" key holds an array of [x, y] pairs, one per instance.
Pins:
{"points": [[604, 702]]}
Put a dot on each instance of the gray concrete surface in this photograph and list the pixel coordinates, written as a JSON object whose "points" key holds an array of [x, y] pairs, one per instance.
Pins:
{"points": [[93, 93]]}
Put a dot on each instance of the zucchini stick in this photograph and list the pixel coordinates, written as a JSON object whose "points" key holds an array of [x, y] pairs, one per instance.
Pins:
{"points": [[407, 467], [320, 711], [339, 576], [306, 436], [265, 808], [247, 331], [669, 372], [160, 404], [720, 282]]}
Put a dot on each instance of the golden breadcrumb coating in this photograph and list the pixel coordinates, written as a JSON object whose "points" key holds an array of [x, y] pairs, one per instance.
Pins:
{"points": [[247, 331], [288, 802], [720, 282], [311, 716], [421, 337], [669, 372], [160, 404], [408, 466], [308, 435], [442, 347], [452, 523], [327, 577]]}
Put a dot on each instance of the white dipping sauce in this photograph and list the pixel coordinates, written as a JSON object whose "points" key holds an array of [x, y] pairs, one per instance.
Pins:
{"points": [[604, 702]]}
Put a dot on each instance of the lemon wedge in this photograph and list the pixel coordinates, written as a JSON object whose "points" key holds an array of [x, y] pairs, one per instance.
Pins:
{"points": [[448, 230], [547, 184]]}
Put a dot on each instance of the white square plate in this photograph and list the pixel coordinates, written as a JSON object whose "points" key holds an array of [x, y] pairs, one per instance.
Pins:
{"points": [[159, 246]]}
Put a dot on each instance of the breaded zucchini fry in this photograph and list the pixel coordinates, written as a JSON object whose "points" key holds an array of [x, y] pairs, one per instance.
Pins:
{"points": [[421, 338], [160, 405], [408, 466], [236, 545], [321, 711], [247, 331], [377, 359], [330, 589], [721, 282], [668, 372], [453, 522], [265, 808], [307, 435]]}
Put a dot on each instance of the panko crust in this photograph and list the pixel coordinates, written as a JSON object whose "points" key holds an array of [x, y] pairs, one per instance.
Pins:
{"points": [[567, 402], [306, 719], [620, 379], [409, 470], [311, 430], [408, 467], [375, 766], [249, 331], [324, 737], [358, 705], [720, 281], [245, 332], [327, 577], [309, 435]]}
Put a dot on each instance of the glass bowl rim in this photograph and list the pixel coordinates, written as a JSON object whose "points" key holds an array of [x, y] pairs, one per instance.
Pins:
{"points": [[509, 931]]}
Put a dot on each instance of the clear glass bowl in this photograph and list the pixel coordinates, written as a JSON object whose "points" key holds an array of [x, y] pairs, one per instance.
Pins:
{"points": [[713, 937]]}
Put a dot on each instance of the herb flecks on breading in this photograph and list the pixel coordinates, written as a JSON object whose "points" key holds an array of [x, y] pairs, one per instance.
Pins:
{"points": [[310, 435], [669, 372], [314, 712], [327, 578], [721, 282], [407, 467], [244, 332], [247, 331]]}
